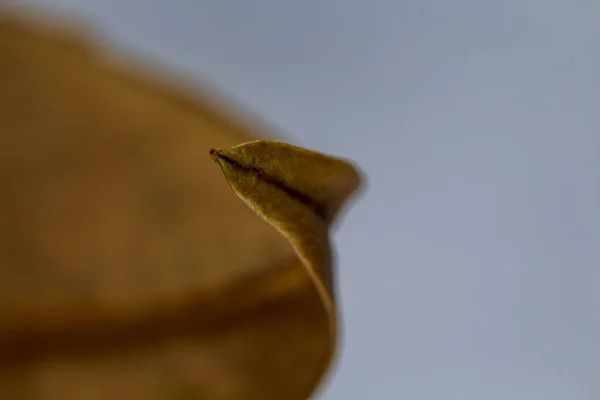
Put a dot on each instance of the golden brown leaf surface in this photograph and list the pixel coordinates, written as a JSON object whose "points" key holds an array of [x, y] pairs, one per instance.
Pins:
{"points": [[128, 267]]}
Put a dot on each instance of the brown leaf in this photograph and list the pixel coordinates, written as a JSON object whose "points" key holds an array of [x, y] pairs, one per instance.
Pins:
{"points": [[128, 268]]}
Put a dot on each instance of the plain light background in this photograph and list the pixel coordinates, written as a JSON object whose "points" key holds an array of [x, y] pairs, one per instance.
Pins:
{"points": [[470, 267]]}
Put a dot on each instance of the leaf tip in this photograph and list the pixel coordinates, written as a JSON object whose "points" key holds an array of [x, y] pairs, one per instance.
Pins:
{"points": [[214, 153]]}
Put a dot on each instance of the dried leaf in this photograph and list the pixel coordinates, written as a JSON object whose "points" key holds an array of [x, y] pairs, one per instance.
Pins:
{"points": [[128, 269], [298, 192]]}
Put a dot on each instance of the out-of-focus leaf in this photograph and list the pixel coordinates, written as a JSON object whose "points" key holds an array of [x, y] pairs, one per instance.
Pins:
{"points": [[129, 269]]}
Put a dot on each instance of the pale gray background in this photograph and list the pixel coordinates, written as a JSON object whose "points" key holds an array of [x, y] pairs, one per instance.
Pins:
{"points": [[469, 270]]}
